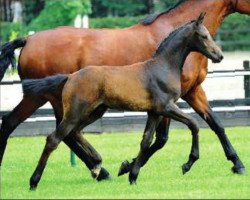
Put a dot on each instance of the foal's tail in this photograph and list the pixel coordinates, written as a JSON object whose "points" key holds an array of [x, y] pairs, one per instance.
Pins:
{"points": [[45, 85], [7, 56]]}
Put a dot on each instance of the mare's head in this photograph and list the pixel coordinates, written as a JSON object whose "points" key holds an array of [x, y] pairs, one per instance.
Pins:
{"points": [[201, 41]]}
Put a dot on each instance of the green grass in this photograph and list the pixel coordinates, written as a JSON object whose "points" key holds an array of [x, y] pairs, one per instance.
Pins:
{"points": [[210, 177]]}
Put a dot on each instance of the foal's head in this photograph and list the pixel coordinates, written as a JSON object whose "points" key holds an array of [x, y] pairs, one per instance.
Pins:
{"points": [[201, 40]]}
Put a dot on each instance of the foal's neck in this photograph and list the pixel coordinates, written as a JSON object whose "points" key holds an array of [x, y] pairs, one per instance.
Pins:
{"points": [[174, 52]]}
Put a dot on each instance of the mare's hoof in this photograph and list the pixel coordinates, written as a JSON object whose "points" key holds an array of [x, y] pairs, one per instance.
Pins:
{"points": [[125, 168], [104, 175], [239, 170], [185, 169]]}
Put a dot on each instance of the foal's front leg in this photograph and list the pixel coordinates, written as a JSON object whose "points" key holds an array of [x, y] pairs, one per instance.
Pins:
{"points": [[161, 137], [175, 113], [152, 123]]}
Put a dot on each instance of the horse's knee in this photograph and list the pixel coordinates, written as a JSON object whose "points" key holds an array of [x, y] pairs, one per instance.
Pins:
{"points": [[193, 126], [51, 142]]}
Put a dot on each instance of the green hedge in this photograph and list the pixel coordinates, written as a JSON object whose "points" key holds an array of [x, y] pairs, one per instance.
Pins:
{"points": [[7, 29], [59, 13], [231, 36], [114, 22], [235, 33]]}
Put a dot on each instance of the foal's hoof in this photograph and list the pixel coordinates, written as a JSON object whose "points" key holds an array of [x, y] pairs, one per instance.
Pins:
{"points": [[132, 179], [125, 168], [33, 187], [132, 182], [185, 169], [240, 171], [104, 175]]}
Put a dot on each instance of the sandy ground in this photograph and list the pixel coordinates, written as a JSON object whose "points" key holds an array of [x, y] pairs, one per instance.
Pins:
{"points": [[215, 87]]}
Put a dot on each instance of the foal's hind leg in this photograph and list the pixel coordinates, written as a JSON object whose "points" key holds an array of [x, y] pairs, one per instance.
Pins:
{"points": [[52, 142], [162, 131], [152, 122], [22, 111], [75, 121], [174, 112], [81, 147]]}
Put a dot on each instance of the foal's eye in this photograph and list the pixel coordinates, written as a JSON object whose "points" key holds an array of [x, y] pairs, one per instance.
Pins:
{"points": [[204, 37]]}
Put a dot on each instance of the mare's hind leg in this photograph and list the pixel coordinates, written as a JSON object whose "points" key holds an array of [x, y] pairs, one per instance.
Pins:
{"points": [[97, 171], [162, 131], [80, 146], [152, 122], [174, 112], [198, 101], [22, 111]]}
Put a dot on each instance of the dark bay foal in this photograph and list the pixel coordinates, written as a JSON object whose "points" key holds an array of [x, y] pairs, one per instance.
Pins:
{"points": [[152, 86]]}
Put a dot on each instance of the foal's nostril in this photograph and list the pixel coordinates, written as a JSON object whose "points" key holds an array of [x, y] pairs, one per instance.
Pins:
{"points": [[221, 57]]}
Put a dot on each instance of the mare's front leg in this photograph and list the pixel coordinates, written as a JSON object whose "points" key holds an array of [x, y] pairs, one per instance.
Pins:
{"points": [[196, 98], [152, 123], [161, 139]]}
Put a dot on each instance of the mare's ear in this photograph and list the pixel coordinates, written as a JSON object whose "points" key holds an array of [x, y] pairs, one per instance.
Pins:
{"points": [[200, 19]]}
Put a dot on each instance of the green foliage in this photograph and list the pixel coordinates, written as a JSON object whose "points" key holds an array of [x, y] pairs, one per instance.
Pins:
{"points": [[103, 8], [7, 29], [124, 7], [114, 22], [160, 178], [234, 33], [31, 9], [59, 13], [163, 5]]}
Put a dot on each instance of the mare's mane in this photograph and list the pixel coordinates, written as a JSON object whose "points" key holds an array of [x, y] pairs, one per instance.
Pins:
{"points": [[151, 18]]}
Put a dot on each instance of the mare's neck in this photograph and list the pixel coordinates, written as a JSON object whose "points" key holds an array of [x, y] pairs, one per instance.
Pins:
{"points": [[216, 11]]}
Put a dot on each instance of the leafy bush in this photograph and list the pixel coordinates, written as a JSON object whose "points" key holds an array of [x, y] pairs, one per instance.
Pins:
{"points": [[234, 33], [59, 13], [114, 22], [7, 30]]}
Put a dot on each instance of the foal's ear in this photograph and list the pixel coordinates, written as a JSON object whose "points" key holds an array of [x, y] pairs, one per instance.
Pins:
{"points": [[200, 18]]}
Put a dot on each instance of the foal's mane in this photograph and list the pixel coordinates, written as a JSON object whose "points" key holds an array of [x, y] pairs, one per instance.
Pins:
{"points": [[151, 18], [165, 41]]}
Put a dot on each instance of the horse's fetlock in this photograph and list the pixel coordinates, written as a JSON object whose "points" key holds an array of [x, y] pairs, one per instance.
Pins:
{"points": [[194, 156]]}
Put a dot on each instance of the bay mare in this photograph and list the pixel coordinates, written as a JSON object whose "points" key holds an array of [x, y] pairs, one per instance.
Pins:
{"points": [[152, 86], [67, 49]]}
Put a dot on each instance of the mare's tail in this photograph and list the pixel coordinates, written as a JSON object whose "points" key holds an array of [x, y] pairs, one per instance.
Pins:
{"points": [[45, 85], [7, 56]]}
